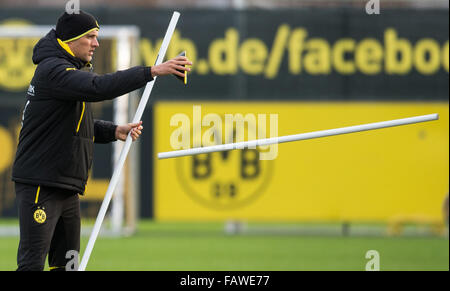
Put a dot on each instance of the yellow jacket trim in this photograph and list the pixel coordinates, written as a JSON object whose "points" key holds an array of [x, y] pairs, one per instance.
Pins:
{"points": [[185, 76], [65, 46], [81, 35], [37, 195], [81, 117], [56, 267]]}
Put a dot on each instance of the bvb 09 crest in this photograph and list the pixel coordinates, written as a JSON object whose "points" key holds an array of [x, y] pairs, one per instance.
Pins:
{"points": [[225, 180], [39, 215], [16, 66]]}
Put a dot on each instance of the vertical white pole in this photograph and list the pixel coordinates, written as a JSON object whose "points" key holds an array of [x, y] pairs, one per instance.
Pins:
{"points": [[126, 148], [123, 50]]}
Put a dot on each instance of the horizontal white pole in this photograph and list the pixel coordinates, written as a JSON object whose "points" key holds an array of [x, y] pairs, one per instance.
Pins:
{"points": [[297, 137], [38, 31]]}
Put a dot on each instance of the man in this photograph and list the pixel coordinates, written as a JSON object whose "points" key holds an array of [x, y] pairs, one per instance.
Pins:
{"points": [[58, 132]]}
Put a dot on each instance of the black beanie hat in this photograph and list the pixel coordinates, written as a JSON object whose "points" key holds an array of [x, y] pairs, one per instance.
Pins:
{"points": [[73, 26]]}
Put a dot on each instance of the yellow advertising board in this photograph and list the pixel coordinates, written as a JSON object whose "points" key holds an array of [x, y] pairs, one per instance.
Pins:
{"points": [[369, 176]]}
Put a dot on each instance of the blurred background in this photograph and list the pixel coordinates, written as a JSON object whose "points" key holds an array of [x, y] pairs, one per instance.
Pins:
{"points": [[321, 204]]}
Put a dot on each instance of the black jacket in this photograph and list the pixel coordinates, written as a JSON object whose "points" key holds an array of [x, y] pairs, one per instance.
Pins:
{"points": [[58, 132]]}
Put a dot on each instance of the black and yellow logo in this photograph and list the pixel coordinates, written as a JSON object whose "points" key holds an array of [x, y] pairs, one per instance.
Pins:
{"points": [[39, 215], [225, 180], [16, 67]]}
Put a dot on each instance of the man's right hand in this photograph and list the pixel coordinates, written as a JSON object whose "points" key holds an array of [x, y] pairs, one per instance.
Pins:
{"points": [[171, 67]]}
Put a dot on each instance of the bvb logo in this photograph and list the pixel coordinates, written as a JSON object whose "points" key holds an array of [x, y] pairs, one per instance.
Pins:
{"points": [[16, 67], [39, 215], [225, 180]]}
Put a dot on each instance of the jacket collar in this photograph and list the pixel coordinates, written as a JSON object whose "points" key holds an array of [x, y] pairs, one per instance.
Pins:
{"points": [[49, 46], [71, 56]]}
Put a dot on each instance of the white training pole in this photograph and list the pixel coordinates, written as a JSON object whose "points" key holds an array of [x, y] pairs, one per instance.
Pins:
{"points": [[297, 137], [120, 106], [126, 148]]}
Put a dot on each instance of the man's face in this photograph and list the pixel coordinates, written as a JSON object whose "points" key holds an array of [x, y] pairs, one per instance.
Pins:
{"points": [[84, 47]]}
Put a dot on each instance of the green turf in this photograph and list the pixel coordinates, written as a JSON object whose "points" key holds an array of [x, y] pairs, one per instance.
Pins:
{"points": [[204, 246]]}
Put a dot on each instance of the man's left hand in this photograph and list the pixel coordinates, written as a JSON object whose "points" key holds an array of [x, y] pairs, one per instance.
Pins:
{"points": [[123, 130]]}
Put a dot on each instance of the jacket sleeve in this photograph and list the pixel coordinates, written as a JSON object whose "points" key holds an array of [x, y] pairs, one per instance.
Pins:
{"points": [[104, 131], [70, 84]]}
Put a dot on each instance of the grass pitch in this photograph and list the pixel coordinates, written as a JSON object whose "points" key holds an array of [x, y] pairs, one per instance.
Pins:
{"points": [[206, 247]]}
